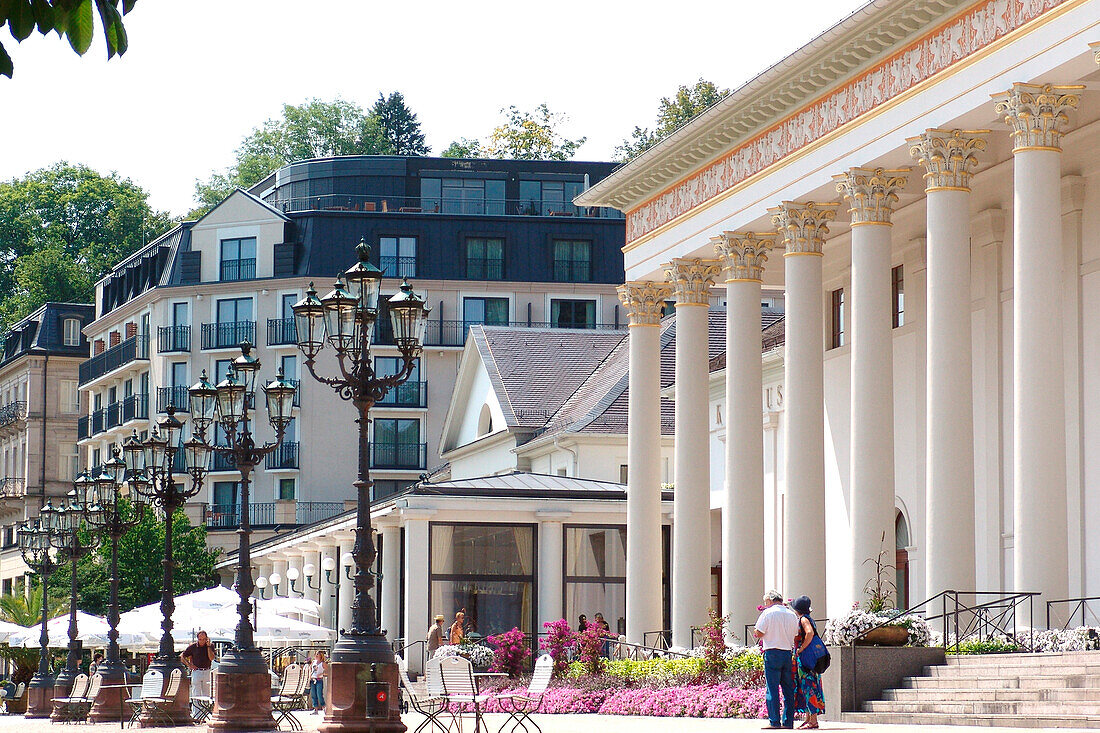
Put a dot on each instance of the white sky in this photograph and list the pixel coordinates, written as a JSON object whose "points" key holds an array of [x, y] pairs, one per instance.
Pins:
{"points": [[200, 75]]}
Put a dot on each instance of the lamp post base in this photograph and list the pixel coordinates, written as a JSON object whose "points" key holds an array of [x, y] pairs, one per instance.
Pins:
{"points": [[62, 686], [346, 706], [109, 704], [40, 697], [242, 701]]}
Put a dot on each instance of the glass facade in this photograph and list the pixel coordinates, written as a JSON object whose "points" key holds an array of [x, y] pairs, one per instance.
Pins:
{"points": [[462, 195], [488, 569], [595, 574]]}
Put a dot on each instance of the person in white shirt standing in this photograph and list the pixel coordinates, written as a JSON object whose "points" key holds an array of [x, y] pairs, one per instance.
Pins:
{"points": [[776, 629]]}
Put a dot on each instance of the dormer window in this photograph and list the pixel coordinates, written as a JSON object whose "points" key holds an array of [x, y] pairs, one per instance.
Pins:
{"points": [[70, 332], [238, 260]]}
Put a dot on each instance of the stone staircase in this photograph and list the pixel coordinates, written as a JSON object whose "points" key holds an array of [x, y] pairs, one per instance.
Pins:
{"points": [[1017, 690]]}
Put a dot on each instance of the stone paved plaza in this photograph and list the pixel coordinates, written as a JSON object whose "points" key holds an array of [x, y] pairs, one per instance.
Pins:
{"points": [[548, 723]]}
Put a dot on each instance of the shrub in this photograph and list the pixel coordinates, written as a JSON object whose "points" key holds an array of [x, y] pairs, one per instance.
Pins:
{"points": [[989, 646], [559, 642], [510, 652], [714, 643], [590, 649]]}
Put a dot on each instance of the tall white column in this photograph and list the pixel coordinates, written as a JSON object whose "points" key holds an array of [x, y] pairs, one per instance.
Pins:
{"points": [[391, 581], [346, 593], [1037, 115], [417, 612], [803, 227], [949, 158], [550, 566], [691, 280], [743, 255], [328, 586], [278, 567], [871, 194], [643, 302]]}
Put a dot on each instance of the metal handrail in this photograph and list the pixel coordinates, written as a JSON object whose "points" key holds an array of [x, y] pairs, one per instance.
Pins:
{"points": [[638, 652], [663, 639], [400, 648], [1080, 605]]}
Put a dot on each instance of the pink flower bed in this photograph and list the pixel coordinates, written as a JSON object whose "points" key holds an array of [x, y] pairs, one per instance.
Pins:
{"points": [[689, 701]]}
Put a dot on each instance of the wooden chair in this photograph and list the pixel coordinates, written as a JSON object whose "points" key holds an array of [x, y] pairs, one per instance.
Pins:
{"points": [[291, 696], [431, 705], [460, 688], [152, 685], [520, 707], [67, 705]]}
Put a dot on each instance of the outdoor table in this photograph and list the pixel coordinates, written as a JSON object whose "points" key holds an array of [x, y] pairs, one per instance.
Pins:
{"points": [[122, 716]]}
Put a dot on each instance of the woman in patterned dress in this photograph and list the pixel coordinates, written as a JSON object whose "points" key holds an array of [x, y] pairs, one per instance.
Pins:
{"points": [[809, 697]]}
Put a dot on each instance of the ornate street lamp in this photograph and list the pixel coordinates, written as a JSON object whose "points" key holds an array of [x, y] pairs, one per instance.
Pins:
{"points": [[103, 499], [36, 547], [157, 485], [71, 548], [345, 319], [242, 683]]}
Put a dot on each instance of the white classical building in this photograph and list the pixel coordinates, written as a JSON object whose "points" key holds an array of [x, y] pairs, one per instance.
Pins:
{"points": [[921, 182]]}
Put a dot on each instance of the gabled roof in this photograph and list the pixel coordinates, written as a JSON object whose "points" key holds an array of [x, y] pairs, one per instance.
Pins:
{"points": [[251, 197]]}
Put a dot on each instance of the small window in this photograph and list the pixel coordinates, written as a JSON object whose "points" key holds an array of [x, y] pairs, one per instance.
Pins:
{"points": [[489, 311], [572, 260], [71, 332], [70, 396], [397, 256], [238, 259], [68, 462], [623, 473], [484, 258], [485, 421], [897, 276], [572, 313], [562, 472], [837, 320], [286, 489]]}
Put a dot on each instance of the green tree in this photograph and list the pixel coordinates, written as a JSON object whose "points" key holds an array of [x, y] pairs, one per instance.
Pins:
{"points": [[672, 113], [530, 135], [399, 125], [314, 129], [72, 19], [62, 228], [140, 551], [463, 148]]}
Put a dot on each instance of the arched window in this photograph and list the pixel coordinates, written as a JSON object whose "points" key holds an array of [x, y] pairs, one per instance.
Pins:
{"points": [[485, 421], [71, 332], [901, 558]]}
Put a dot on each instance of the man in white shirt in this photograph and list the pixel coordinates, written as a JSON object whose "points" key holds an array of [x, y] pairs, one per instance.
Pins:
{"points": [[776, 629]]}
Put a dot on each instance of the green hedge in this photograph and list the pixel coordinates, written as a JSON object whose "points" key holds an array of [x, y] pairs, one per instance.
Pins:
{"points": [[651, 670]]}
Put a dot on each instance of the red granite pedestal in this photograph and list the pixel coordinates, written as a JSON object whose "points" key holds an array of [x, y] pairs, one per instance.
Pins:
{"points": [[346, 708], [242, 701], [58, 692], [109, 705], [39, 702]]}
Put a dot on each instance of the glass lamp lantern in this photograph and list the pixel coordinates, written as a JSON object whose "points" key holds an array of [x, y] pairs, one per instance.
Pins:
{"points": [[309, 320], [115, 468], [47, 518], [197, 452], [341, 310], [245, 367], [409, 317], [155, 450], [364, 281], [134, 453], [203, 399], [279, 395], [170, 428], [85, 489], [231, 399]]}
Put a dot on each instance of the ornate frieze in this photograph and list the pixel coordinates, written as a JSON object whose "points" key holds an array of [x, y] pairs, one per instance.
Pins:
{"points": [[935, 52], [743, 254], [1037, 113], [872, 193], [644, 301], [949, 157], [803, 226], [691, 279]]}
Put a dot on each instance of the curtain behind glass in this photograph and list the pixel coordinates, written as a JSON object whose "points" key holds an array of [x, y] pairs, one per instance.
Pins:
{"points": [[442, 548], [524, 548]]}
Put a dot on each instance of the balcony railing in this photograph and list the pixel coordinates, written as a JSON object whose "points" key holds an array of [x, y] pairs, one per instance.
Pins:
{"points": [[176, 396], [135, 407], [227, 335], [114, 415], [224, 462], [97, 421], [397, 266], [284, 456], [409, 456], [480, 268], [443, 205], [297, 391], [238, 269], [226, 516], [281, 331], [173, 338], [13, 412], [84, 427], [13, 488], [573, 271], [308, 512], [453, 333], [133, 348], [409, 394]]}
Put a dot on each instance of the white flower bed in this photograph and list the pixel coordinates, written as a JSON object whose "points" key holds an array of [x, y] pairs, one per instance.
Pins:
{"points": [[844, 630], [479, 656], [1082, 638]]}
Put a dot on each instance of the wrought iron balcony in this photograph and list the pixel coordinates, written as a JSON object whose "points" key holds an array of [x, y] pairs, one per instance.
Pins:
{"points": [[308, 512], [453, 333], [228, 516], [135, 407], [176, 396], [12, 413], [227, 335], [285, 456], [478, 268], [409, 394], [238, 269], [444, 204], [114, 415], [13, 488], [84, 427], [281, 331], [399, 456], [98, 418], [573, 271], [397, 266], [173, 338], [132, 349]]}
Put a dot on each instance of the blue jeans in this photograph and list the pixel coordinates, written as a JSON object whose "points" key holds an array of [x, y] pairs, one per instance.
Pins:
{"points": [[779, 674], [317, 693]]}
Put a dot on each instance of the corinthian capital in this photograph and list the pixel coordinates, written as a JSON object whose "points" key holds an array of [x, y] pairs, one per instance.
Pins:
{"points": [[691, 279], [949, 157], [803, 226], [1037, 113], [872, 193], [743, 254], [644, 301]]}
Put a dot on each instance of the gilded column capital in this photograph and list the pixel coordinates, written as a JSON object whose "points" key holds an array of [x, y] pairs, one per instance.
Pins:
{"points": [[743, 254], [644, 301], [1037, 113], [803, 226], [949, 157], [872, 193], [691, 279], [1095, 48]]}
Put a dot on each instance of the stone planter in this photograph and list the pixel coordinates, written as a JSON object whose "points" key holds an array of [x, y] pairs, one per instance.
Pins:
{"points": [[885, 636]]}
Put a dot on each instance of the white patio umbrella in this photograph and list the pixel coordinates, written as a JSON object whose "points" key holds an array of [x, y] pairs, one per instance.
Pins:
{"points": [[7, 629], [91, 631]]}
